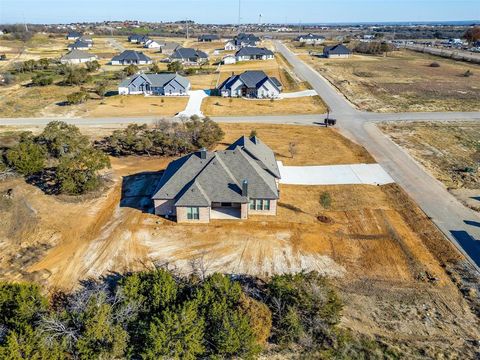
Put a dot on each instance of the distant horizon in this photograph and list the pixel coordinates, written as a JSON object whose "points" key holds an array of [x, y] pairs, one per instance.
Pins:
{"points": [[222, 12]]}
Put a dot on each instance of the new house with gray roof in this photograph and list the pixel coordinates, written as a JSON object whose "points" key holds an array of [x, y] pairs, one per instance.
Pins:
{"points": [[251, 84], [311, 39], [234, 183], [253, 53], [77, 57], [189, 56], [80, 45], [155, 84], [129, 57], [336, 51]]}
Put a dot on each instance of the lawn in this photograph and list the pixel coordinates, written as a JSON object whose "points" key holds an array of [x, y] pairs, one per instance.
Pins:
{"points": [[219, 106], [403, 81]]}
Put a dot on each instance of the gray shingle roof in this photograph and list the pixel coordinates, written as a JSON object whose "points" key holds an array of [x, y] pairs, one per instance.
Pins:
{"points": [[131, 55], [339, 49], [192, 181], [188, 53], [157, 80], [251, 79], [77, 54], [253, 51], [78, 44], [311, 36], [207, 37]]}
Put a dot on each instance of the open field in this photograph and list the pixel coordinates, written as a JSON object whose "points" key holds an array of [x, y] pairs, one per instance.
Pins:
{"points": [[450, 151], [219, 106], [383, 253], [402, 81]]}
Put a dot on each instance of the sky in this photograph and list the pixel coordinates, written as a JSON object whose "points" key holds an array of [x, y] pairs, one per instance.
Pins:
{"points": [[226, 11]]}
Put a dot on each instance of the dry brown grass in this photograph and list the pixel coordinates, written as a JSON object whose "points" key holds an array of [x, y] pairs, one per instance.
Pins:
{"points": [[402, 81], [219, 106]]}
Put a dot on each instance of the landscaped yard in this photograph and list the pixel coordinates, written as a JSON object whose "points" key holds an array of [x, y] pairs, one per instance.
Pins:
{"points": [[403, 81], [219, 106]]}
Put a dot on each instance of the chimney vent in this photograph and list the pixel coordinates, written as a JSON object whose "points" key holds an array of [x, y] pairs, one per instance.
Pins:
{"points": [[245, 188], [203, 153]]}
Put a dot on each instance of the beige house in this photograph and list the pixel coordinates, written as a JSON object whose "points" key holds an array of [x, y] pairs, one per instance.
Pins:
{"points": [[228, 184]]}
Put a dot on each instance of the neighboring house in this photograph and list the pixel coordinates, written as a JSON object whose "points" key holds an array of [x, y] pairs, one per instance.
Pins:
{"points": [[208, 38], [189, 56], [79, 45], [229, 60], [169, 48], [242, 40], [336, 51], [77, 57], [233, 183], [311, 39], [86, 39], [73, 35], [230, 45], [253, 53], [252, 84], [129, 57], [138, 39], [152, 44], [155, 84]]}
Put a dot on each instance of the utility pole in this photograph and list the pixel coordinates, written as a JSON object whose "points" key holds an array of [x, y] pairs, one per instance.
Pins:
{"points": [[239, 12], [187, 28]]}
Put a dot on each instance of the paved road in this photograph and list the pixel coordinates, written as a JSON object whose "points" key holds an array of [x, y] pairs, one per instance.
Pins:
{"points": [[115, 44], [459, 223]]}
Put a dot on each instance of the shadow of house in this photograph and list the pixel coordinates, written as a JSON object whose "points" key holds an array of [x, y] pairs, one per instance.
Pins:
{"points": [[469, 244], [472, 223], [138, 189]]}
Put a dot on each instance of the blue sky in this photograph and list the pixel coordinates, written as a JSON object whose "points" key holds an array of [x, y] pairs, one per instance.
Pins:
{"points": [[226, 11]]}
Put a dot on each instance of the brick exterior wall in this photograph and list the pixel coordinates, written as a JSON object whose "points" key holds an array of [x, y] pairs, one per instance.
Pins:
{"points": [[164, 207], [204, 215], [244, 211], [271, 212]]}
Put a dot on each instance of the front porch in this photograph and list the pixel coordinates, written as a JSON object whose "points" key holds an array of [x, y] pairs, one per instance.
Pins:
{"points": [[226, 211]]}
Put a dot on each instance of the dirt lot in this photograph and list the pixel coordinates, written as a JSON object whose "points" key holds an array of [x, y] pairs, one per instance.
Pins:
{"points": [[391, 264], [448, 150], [402, 81], [219, 106]]}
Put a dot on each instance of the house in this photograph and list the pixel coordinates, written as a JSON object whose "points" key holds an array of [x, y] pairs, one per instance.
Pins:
{"points": [[152, 44], [252, 84], [73, 35], [129, 57], [79, 45], [208, 38], [138, 39], [336, 51], [155, 84], [253, 53], [229, 60], [242, 40], [86, 39], [230, 45], [169, 48], [226, 184], [189, 56], [311, 39], [77, 57]]}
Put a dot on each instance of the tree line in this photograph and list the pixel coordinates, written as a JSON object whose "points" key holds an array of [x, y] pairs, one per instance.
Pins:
{"points": [[159, 314]]}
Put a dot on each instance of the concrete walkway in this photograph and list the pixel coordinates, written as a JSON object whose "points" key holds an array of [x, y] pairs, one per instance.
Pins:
{"points": [[362, 174], [194, 104], [298, 94]]}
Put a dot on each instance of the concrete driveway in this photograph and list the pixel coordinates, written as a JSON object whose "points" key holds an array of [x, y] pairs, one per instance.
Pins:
{"points": [[194, 105], [298, 94], [362, 174]]}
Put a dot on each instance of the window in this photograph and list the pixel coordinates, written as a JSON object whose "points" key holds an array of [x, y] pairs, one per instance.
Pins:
{"points": [[266, 204], [193, 213], [252, 204], [260, 204]]}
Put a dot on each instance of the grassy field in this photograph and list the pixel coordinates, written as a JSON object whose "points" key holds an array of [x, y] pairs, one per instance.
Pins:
{"points": [[380, 249], [402, 81], [448, 150], [219, 106]]}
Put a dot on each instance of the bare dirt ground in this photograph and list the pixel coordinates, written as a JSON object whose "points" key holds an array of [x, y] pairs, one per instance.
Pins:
{"points": [[402, 81], [401, 280], [450, 151]]}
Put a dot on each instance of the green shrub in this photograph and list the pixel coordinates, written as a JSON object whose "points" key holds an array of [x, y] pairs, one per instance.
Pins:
{"points": [[76, 98], [325, 200], [27, 157], [42, 80], [131, 70]]}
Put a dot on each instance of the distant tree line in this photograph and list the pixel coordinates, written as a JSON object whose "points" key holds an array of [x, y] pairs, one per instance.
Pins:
{"points": [[160, 315], [373, 48]]}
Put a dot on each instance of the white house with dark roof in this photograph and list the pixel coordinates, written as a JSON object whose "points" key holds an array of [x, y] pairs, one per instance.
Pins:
{"points": [[227, 184], [129, 57], [336, 51], [254, 53], [155, 84], [311, 39], [73, 35], [251, 84]]}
